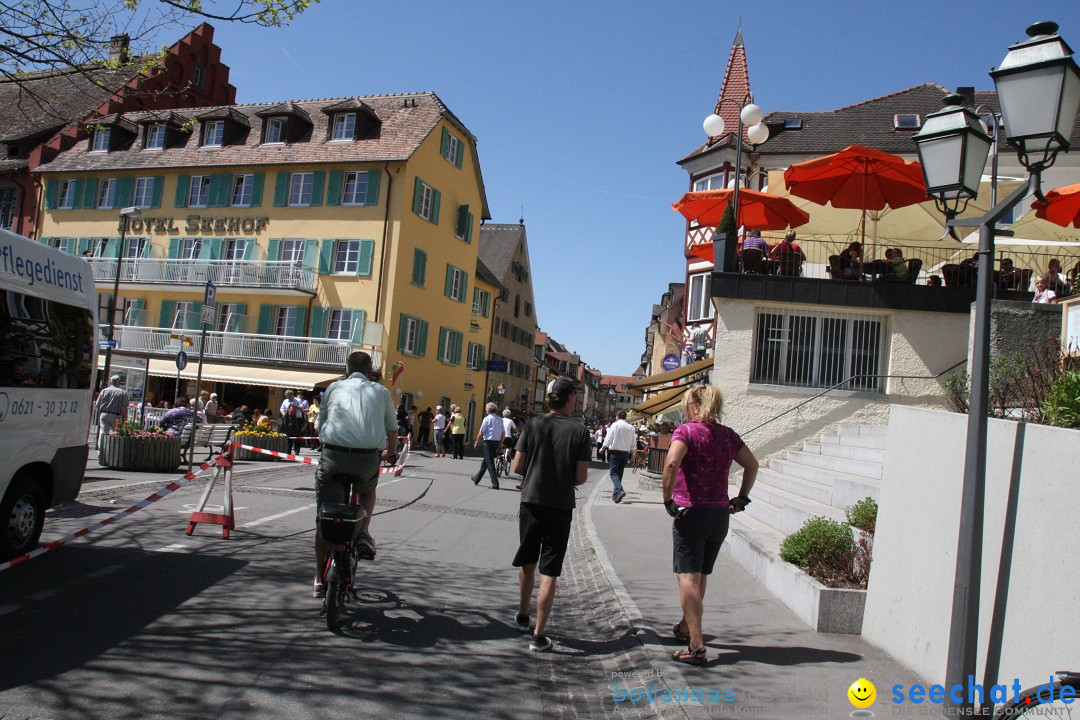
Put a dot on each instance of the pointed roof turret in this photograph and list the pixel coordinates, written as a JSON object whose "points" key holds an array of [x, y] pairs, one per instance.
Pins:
{"points": [[736, 85]]}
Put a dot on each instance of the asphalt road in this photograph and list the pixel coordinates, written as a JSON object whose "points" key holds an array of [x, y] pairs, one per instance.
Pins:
{"points": [[139, 620]]}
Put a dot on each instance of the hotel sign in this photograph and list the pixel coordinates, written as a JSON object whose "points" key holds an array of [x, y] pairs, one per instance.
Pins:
{"points": [[199, 224]]}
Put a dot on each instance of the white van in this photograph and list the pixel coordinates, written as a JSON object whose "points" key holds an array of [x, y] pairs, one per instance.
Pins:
{"points": [[48, 354]]}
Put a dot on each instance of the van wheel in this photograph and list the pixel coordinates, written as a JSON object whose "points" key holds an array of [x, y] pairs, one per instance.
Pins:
{"points": [[22, 515]]}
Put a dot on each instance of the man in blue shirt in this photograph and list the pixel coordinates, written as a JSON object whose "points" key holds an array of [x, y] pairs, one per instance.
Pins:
{"points": [[357, 428], [492, 433]]}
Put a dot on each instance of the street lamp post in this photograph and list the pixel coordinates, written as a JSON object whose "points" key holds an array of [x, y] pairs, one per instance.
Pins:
{"points": [[1038, 87], [125, 214], [757, 133]]}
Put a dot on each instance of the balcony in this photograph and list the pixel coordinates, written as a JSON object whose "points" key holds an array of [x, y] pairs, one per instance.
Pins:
{"points": [[271, 276], [241, 347]]}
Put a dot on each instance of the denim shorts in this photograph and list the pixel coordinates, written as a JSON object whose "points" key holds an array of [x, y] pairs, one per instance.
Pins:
{"points": [[438, 436]]}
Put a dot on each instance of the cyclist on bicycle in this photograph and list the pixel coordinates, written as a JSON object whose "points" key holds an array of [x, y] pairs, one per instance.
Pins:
{"points": [[510, 434], [357, 428]]}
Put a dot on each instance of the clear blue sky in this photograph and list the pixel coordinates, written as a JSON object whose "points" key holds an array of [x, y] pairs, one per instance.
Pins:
{"points": [[581, 109]]}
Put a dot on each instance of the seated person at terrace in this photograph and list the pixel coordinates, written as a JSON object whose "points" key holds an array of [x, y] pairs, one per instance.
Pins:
{"points": [[1009, 276], [1056, 280], [897, 265], [852, 259], [1042, 294], [788, 244], [754, 241]]}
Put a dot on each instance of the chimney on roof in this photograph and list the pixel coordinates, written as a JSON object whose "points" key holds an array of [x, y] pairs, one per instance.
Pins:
{"points": [[968, 94], [118, 48]]}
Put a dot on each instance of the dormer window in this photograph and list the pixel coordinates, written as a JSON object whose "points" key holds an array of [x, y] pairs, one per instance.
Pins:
{"points": [[155, 137], [275, 131], [344, 127], [100, 142], [214, 133], [906, 121]]}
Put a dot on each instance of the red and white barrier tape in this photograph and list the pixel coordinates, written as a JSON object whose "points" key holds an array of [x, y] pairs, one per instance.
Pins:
{"points": [[165, 491], [395, 470]]}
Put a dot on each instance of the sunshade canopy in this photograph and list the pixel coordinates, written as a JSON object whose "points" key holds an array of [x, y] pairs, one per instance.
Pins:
{"points": [[1061, 207], [858, 177], [757, 210]]}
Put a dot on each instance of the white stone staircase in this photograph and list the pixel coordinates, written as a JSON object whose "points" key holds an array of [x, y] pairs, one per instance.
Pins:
{"points": [[823, 478]]}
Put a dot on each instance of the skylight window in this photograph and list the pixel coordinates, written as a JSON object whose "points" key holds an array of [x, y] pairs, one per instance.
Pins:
{"points": [[906, 121], [793, 123]]}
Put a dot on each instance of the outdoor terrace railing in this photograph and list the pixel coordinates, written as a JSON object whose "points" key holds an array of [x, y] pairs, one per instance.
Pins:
{"points": [[277, 274], [236, 346]]}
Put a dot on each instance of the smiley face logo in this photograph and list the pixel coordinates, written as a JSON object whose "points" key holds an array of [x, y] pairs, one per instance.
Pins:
{"points": [[862, 693]]}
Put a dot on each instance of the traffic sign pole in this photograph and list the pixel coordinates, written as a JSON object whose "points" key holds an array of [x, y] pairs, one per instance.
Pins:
{"points": [[209, 301]]}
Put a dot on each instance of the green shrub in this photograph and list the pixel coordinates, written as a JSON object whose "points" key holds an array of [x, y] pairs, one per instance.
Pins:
{"points": [[863, 515], [956, 390], [824, 548], [1062, 404]]}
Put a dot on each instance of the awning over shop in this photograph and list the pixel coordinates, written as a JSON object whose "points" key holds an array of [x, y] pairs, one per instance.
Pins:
{"points": [[701, 366], [266, 376], [660, 402]]}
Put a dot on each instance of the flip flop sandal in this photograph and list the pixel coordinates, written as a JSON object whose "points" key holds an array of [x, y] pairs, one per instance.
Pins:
{"points": [[682, 636], [689, 656]]}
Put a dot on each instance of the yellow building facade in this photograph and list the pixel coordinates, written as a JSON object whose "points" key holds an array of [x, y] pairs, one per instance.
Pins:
{"points": [[325, 226]]}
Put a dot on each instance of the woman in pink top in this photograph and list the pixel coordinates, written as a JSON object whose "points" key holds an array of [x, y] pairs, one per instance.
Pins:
{"points": [[696, 495]]}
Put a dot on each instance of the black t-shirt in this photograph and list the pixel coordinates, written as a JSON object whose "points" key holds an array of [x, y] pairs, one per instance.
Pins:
{"points": [[553, 445]]}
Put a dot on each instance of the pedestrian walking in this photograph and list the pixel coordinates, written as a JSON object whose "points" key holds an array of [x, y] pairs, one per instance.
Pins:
{"points": [[491, 433], [357, 427], [696, 496], [552, 454], [112, 404], [438, 424], [620, 441], [457, 432]]}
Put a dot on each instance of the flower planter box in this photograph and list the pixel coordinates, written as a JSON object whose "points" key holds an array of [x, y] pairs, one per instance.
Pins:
{"points": [[154, 454], [266, 442]]}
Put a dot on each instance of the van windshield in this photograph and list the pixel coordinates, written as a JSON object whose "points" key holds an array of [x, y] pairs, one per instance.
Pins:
{"points": [[44, 343]]}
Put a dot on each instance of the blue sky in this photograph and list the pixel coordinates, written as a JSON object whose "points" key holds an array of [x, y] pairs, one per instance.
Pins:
{"points": [[581, 109]]}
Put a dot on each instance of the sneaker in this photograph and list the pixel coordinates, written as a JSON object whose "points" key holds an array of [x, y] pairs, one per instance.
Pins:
{"points": [[476, 480], [618, 497], [540, 643], [365, 547], [317, 590], [522, 621]]}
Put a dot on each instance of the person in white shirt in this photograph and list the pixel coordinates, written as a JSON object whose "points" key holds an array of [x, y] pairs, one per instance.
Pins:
{"points": [[620, 441], [510, 430], [491, 432], [438, 424]]}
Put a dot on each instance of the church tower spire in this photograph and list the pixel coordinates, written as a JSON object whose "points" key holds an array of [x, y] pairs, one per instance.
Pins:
{"points": [[736, 85]]}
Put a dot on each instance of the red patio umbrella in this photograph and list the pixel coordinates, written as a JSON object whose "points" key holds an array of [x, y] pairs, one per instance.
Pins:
{"points": [[757, 210], [858, 178], [1062, 206]]}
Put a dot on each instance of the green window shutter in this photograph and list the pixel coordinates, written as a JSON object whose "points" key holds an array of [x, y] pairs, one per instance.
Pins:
{"points": [[180, 200], [326, 256], [402, 327], [273, 249], [418, 191], [298, 322], [464, 286], [444, 143], [125, 187], [89, 199], [460, 153], [194, 321], [250, 246], [359, 322], [483, 357], [468, 229], [159, 187], [168, 313], [281, 189], [448, 287], [419, 260], [112, 248], [459, 338], [256, 189], [421, 342], [44, 240], [374, 178], [210, 249], [462, 221], [443, 333], [363, 263], [77, 198], [265, 318], [52, 187], [219, 190], [318, 321], [487, 305], [333, 188], [435, 206], [82, 246], [469, 354], [311, 251], [318, 178], [147, 246], [174, 248]]}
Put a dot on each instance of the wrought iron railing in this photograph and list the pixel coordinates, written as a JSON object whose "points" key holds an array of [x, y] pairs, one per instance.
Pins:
{"points": [[278, 274]]}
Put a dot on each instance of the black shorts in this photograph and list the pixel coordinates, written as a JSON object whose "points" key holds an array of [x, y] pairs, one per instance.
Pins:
{"points": [[698, 534], [544, 533]]}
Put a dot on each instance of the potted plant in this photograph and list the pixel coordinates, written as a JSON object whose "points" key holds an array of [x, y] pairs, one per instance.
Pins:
{"points": [[134, 447], [261, 437]]}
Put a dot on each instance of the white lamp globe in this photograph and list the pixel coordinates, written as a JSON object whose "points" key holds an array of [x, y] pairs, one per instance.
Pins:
{"points": [[758, 133], [750, 115], [714, 125]]}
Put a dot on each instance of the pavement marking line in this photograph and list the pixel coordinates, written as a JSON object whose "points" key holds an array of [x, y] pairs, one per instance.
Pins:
{"points": [[44, 594], [260, 521], [107, 570], [172, 548], [5, 609]]}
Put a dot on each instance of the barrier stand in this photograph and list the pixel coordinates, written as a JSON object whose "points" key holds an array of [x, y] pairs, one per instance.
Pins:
{"points": [[227, 521]]}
